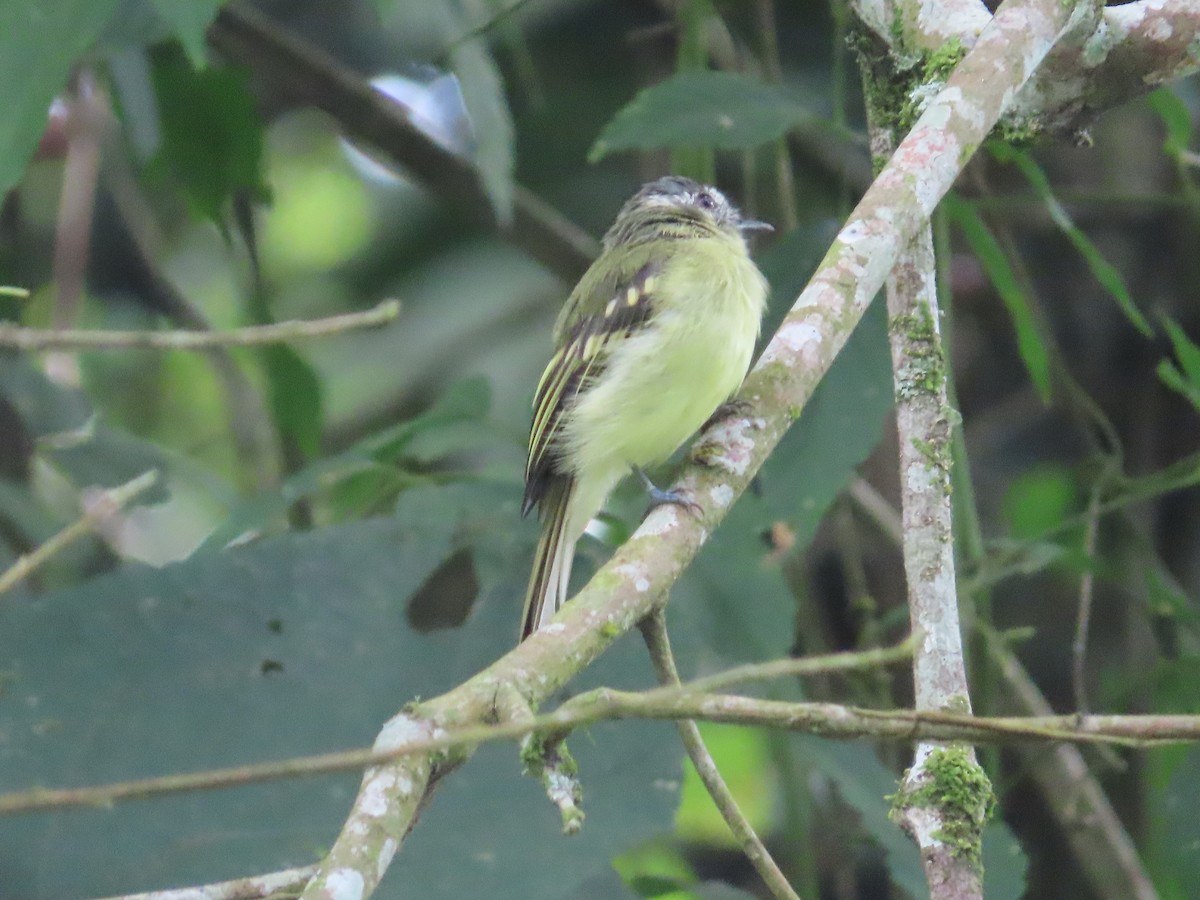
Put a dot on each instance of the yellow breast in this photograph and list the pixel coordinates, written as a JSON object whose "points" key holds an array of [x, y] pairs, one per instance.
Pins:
{"points": [[664, 382]]}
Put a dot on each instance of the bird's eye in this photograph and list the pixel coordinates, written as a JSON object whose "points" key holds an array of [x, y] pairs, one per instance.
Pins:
{"points": [[706, 201]]}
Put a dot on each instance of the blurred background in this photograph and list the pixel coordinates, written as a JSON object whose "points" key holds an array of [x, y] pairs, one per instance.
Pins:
{"points": [[335, 529]]}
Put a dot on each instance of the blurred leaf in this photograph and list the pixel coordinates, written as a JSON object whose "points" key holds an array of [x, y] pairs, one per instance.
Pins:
{"points": [[70, 436], [1185, 349], [721, 110], [45, 408], [320, 218], [212, 138], [1175, 116], [1040, 499], [1175, 843], [39, 42], [1005, 863], [718, 890], [491, 121], [660, 862], [990, 255], [1104, 271], [1184, 378], [188, 20], [454, 423], [437, 431], [151, 671], [294, 393]]}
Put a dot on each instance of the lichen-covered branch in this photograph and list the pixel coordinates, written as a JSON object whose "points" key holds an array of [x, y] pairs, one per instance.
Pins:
{"points": [[1110, 57], [945, 797]]}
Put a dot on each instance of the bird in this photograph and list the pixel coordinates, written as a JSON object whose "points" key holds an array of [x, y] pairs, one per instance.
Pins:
{"points": [[656, 336]]}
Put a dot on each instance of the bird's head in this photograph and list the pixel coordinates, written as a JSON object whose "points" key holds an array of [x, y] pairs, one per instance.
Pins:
{"points": [[674, 206]]}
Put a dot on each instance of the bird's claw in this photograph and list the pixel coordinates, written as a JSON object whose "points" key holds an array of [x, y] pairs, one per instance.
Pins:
{"points": [[659, 497]]}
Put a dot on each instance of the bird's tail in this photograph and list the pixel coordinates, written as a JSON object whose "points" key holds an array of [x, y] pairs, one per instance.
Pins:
{"points": [[552, 562]]}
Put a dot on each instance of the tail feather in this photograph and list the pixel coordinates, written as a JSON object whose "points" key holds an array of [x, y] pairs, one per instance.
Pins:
{"points": [[552, 562]]}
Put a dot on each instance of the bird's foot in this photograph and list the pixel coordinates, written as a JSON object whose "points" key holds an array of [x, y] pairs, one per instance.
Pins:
{"points": [[659, 497]]}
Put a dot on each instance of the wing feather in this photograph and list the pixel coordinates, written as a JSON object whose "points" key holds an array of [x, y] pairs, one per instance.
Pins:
{"points": [[587, 339]]}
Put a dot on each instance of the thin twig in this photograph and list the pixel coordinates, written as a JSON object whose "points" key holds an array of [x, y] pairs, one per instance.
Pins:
{"points": [[96, 512], [88, 116], [876, 507], [252, 887], [34, 339], [1083, 618], [654, 630]]}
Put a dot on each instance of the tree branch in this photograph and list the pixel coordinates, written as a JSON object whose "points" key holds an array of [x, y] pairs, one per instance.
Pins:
{"points": [[15, 337], [946, 825], [1123, 53]]}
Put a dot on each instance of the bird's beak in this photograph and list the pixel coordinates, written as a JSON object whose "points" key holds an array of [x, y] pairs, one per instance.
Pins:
{"points": [[754, 225]]}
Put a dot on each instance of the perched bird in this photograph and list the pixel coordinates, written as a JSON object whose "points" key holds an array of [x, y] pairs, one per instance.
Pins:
{"points": [[655, 337]]}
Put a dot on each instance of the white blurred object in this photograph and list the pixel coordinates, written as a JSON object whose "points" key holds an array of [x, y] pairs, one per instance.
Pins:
{"points": [[435, 105]]}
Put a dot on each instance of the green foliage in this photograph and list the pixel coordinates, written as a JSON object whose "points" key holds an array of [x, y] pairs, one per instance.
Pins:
{"points": [[1183, 378], [292, 645], [39, 42], [987, 250], [211, 132], [719, 110], [188, 19], [742, 757], [483, 94], [1175, 117], [1104, 271], [1040, 499]]}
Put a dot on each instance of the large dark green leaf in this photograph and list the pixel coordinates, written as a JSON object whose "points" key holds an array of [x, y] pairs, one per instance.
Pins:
{"points": [[295, 645], [212, 139], [38, 44], [722, 110]]}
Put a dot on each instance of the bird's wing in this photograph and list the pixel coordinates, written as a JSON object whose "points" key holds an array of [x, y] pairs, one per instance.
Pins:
{"points": [[602, 311]]}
